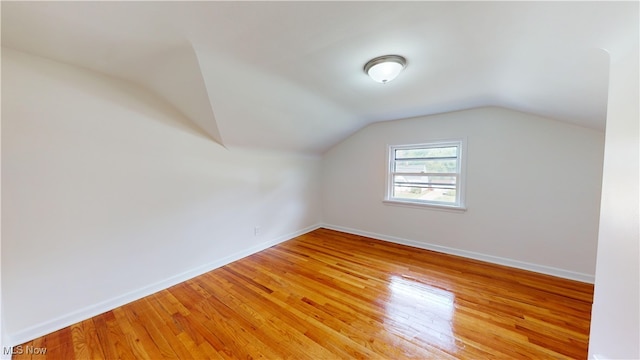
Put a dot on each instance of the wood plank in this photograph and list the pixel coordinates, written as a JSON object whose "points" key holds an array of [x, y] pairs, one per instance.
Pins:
{"points": [[111, 337], [328, 294]]}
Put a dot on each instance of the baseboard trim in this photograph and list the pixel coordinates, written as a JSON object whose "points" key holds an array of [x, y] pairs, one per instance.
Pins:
{"points": [[88, 312], [547, 270]]}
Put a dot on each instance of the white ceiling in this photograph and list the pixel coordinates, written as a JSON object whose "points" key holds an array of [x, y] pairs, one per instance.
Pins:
{"points": [[288, 75]]}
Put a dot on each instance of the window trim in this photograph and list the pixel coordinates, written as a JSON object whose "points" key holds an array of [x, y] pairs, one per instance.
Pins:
{"points": [[460, 205]]}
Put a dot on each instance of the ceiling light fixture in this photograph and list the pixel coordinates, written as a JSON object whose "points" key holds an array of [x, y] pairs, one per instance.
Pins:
{"points": [[385, 68]]}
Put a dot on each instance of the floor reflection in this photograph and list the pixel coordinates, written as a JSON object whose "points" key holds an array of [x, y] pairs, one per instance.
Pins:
{"points": [[418, 311]]}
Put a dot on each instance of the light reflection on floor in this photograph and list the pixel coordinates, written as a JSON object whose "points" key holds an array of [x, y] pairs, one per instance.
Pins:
{"points": [[421, 312]]}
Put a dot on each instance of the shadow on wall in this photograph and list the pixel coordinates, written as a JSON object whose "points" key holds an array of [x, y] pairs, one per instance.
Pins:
{"points": [[118, 92]]}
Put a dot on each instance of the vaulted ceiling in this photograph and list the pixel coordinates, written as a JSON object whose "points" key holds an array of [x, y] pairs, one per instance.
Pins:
{"points": [[288, 75]]}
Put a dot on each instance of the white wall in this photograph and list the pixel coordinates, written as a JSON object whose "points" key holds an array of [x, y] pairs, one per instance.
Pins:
{"points": [[615, 322], [533, 190], [109, 195]]}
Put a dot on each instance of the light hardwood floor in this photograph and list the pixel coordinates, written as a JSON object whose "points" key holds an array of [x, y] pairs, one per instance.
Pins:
{"points": [[331, 295]]}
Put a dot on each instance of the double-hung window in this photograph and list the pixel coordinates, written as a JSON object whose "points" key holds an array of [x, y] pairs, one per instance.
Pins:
{"points": [[427, 174]]}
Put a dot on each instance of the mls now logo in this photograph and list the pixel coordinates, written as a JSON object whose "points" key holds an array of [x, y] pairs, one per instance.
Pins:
{"points": [[22, 350]]}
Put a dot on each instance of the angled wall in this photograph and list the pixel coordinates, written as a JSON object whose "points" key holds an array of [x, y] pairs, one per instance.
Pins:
{"points": [[533, 190], [110, 194], [175, 75], [615, 322]]}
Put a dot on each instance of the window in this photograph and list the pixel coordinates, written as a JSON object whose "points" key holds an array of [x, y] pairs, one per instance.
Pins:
{"points": [[427, 174]]}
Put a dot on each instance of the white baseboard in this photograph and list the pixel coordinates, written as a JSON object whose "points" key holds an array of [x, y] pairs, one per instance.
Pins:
{"points": [[65, 320], [566, 274]]}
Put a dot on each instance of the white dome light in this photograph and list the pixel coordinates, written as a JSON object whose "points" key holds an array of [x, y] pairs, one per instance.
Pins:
{"points": [[385, 68]]}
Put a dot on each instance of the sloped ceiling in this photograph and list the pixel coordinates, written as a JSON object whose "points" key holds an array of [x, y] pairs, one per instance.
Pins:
{"points": [[288, 75]]}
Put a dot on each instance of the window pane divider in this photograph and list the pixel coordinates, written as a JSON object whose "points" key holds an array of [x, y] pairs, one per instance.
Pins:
{"points": [[427, 158], [423, 174]]}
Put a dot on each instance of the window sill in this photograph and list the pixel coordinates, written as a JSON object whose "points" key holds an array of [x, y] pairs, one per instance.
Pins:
{"points": [[412, 204]]}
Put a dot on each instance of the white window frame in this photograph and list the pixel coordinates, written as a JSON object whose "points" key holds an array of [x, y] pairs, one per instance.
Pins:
{"points": [[459, 174]]}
